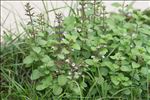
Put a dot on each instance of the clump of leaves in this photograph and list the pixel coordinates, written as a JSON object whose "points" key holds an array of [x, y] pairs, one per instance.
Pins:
{"points": [[92, 54]]}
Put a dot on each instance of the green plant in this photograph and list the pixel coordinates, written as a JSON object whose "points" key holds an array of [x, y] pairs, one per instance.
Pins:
{"points": [[91, 54]]}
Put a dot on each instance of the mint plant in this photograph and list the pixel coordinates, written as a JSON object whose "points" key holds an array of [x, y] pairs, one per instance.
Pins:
{"points": [[90, 54]]}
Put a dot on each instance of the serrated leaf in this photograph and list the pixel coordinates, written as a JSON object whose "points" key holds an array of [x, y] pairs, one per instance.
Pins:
{"points": [[135, 65], [62, 80], [36, 74], [76, 46], [57, 90], [28, 60], [36, 49], [104, 71], [144, 70], [41, 42], [65, 51], [89, 61], [114, 80], [46, 59], [46, 82], [125, 68], [61, 56]]}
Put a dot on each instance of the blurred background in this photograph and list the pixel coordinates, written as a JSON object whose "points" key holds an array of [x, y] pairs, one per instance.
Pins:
{"points": [[12, 12]]}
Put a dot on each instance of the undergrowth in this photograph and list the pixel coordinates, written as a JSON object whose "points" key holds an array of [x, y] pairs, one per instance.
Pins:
{"points": [[91, 54]]}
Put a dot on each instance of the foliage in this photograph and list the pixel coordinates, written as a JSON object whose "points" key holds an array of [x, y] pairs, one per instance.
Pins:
{"points": [[90, 54]]}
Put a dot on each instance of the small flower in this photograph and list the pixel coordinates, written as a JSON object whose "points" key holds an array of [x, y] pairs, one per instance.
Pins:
{"points": [[72, 49], [86, 65], [76, 67], [105, 46], [79, 73], [83, 76], [103, 56], [131, 46], [69, 77], [129, 14], [76, 76], [92, 56], [65, 33], [69, 73], [79, 29], [53, 47], [73, 64], [133, 35], [67, 60], [98, 47]]}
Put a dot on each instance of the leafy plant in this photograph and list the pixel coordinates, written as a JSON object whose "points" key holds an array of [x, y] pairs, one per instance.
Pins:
{"points": [[90, 54]]}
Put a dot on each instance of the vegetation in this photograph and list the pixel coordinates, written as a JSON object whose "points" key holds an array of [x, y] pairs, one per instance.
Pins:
{"points": [[89, 55]]}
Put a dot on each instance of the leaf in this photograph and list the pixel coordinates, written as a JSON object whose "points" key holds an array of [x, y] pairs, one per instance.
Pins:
{"points": [[65, 51], [125, 68], [28, 60], [135, 65], [89, 61], [76, 46], [148, 49], [127, 83], [69, 20], [115, 80], [46, 59], [41, 42], [36, 49], [57, 90], [41, 34], [103, 51], [62, 80], [104, 71], [61, 56], [144, 70], [116, 4], [46, 82], [50, 63], [36, 74]]}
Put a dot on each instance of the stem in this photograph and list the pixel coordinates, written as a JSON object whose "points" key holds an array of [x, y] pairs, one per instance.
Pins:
{"points": [[94, 9]]}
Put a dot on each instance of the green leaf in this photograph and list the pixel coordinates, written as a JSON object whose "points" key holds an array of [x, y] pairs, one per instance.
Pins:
{"points": [[36, 74], [36, 49], [65, 51], [50, 63], [62, 80], [41, 34], [89, 61], [115, 80], [57, 90], [103, 51], [148, 49], [41, 42], [61, 56], [76, 46], [125, 68], [69, 20], [28, 60], [144, 70], [127, 83], [46, 82], [46, 59], [135, 65], [104, 71]]}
